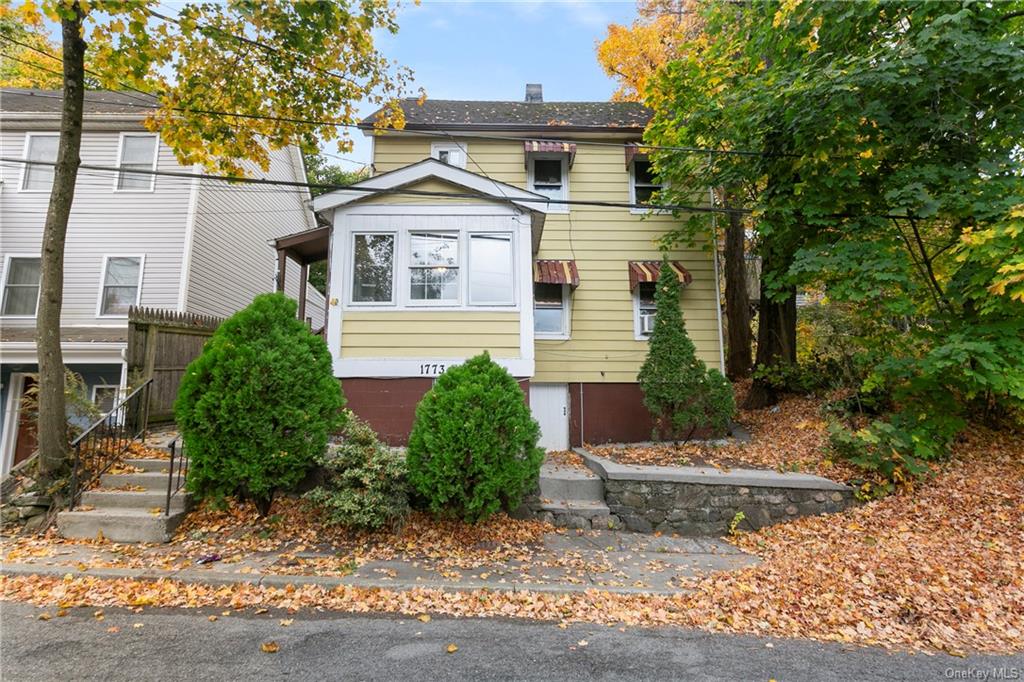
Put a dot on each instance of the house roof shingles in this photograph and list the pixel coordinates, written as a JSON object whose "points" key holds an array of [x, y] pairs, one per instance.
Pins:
{"points": [[26, 101], [487, 115]]}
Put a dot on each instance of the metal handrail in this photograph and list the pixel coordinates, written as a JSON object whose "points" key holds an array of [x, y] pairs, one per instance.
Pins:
{"points": [[175, 483], [99, 446]]}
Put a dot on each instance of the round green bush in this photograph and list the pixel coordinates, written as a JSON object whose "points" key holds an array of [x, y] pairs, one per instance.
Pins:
{"points": [[365, 484], [256, 407], [473, 447]]}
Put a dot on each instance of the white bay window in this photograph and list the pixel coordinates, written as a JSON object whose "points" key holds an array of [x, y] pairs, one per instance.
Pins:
{"points": [[434, 267]]}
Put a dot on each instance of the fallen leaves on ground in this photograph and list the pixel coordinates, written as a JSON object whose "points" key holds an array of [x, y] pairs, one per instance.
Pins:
{"points": [[270, 647], [789, 436], [565, 458]]}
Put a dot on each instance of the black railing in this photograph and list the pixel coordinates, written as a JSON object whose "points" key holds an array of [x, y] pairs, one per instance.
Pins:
{"points": [[176, 479], [106, 441]]}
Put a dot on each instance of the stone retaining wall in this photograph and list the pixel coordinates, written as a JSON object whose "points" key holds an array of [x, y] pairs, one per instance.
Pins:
{"points": [[698, 501]]}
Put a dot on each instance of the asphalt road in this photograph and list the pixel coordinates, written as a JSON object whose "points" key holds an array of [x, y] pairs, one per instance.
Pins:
{"points": [[186, 645]]}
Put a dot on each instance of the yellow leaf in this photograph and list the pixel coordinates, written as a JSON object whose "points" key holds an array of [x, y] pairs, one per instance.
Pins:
{"points": [[269, 647], [452, 648], [285, 622], [44, 616], [211, 618], [424, 618]]}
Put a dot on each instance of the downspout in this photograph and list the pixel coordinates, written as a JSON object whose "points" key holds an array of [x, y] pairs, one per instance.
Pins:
{"points": [[718, 286]]}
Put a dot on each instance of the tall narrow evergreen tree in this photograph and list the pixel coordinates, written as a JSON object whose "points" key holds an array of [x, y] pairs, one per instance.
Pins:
{"points": [[680, 392]]}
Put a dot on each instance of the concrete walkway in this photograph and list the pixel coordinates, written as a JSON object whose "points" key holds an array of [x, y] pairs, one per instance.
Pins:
{"points": [[571, 561]]}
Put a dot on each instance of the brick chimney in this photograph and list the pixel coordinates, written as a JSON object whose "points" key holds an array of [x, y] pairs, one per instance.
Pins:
{"points": [[534, 92]]}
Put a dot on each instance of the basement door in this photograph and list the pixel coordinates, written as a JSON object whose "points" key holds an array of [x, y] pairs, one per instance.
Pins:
{"points": [[550, 406]]}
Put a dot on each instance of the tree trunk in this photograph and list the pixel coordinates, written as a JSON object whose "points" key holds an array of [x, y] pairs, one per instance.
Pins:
{"points": [[776, 335], [52, 426], [737, 301]]}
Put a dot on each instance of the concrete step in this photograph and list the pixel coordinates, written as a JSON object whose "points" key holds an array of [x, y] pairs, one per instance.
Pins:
{"points": [[150, 480], [138, 500], [119, 525], [157, 465], [584, 508], [563, 483]]}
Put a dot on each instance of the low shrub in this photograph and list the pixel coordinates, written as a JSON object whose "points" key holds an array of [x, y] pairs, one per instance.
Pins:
{"points": [[894, 453], [679, 391], [473, 447], [255, 408], [365, 486]]}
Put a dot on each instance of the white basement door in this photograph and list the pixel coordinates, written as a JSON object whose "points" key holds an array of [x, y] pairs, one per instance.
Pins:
{"points": [[550, 406]]}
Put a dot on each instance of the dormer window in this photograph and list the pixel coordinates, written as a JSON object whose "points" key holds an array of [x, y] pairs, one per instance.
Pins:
{"points": [[451, 153]]}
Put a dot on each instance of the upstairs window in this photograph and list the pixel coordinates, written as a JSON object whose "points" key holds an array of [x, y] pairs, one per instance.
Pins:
{"points": [[373, 268], [550, 311], [39, 178], [138, 152], [451, 153], [434, 267], [549, 175], [643, 182], [122, 277], [645, 308], [21, 287]]}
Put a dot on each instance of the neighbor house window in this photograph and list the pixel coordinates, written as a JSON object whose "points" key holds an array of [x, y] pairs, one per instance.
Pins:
{"points": [[39, 178], [105, 397], [121, 280], [451, 153], [550, 310], [549, 175], [643, 182], [490, 269], [434, 266], [138, 152], [373, 268], [645, 308], [21, 287]]}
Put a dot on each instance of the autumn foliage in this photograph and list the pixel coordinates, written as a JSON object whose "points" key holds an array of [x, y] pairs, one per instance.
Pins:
{"points": [[255, 409]]}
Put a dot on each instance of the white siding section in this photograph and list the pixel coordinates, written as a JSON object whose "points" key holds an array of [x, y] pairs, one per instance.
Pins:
{"points": [[233, 257], [103, 222]]}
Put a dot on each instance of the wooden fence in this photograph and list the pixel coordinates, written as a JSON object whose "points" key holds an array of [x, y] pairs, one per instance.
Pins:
{"points": [[161, 344]]}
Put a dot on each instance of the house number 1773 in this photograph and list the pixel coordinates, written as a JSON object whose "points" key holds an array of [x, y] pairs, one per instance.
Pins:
{"points": [[431, 369]]}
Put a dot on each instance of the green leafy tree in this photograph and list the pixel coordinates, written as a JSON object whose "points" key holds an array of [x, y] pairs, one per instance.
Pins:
{"points": [[256, 407], [680, 392], [886, 140], [285, 74], [320, 171], [473, 447]]}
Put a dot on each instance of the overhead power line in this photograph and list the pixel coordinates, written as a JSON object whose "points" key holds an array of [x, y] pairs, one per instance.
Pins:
{"points": [[374, 191]]}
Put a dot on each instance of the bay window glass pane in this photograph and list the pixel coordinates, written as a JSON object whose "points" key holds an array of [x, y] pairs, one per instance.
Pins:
{"points": [[434, 284], [21, 290], [490, 268], [120, 285], [137, 152], [40, 148], [434, 266], [373, 268], [432, 249]]}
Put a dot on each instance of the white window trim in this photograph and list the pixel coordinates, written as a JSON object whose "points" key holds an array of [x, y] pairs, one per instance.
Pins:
{"points": [[400, 297], [25, 166], [120, 151], [94, 390], [3, 284], [350, 266], [103, 279], [636, 316], [566, 332], [559, 156], [632, 195], [462, 147]]}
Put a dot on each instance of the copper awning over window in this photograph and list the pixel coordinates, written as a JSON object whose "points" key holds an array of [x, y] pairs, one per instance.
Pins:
{"points": [[648, 271], [556, 272], [548, 147]]}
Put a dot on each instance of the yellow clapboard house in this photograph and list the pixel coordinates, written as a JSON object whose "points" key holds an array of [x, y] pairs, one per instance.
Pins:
{"points": [[466, 238]]}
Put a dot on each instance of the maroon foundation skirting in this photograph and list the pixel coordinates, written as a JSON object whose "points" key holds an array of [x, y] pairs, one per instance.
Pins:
{"points": [[607, 413], [389, 405]]}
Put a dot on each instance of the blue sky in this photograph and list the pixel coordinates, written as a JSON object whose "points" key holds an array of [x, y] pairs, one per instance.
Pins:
{"points": [[490, 50]]}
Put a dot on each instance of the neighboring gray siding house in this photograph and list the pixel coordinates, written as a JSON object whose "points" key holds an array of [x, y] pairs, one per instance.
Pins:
{"points": [[183, 244]]}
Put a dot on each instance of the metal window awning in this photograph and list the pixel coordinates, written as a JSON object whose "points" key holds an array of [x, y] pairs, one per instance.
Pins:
{"points": [[556, 272], [548, 147], [635, 151], [648, 271]]}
